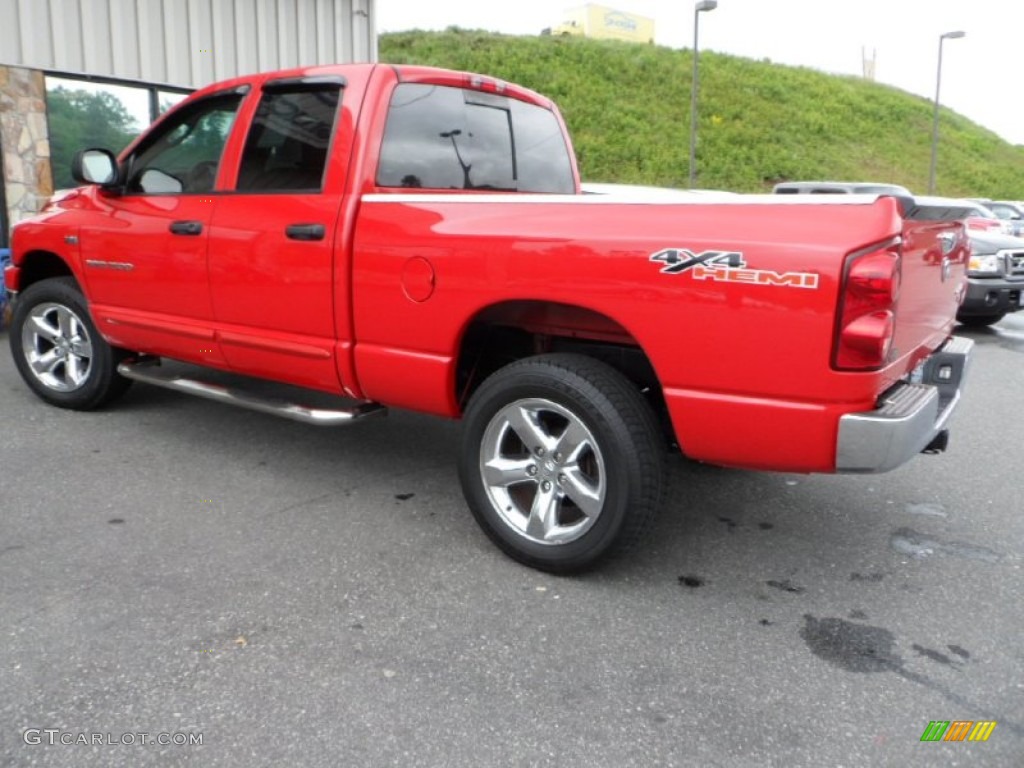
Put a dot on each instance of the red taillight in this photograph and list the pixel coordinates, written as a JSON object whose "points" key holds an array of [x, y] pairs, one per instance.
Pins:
{"points": [[867, 307]]}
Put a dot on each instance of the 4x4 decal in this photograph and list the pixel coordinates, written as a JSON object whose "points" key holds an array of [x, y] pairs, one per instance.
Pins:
{"points": [[727, 267]]}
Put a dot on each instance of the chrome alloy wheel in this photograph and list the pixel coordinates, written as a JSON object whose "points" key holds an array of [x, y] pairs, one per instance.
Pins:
{"points": [[543, 471], [57, 347]]}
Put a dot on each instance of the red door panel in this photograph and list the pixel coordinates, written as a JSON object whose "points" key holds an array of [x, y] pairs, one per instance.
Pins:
{"points": [[148, 285], [272, 292]]}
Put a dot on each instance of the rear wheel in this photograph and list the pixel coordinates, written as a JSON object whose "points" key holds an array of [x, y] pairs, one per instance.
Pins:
{"points": [[562, 462], [58, 351], [980, 321]]}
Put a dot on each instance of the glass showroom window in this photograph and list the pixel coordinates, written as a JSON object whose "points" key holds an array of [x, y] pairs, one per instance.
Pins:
{"points": [[88, 113], [167, 99], [85, 114]]}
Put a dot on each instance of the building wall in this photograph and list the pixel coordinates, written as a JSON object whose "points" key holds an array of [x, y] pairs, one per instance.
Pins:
{"points": [[24, 141], [184, 42]]}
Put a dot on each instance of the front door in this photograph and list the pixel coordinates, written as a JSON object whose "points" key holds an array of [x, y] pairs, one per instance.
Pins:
{"points": [[145, 256]]}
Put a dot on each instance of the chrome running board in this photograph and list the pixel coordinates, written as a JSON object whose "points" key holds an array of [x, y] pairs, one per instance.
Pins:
{"points": [[148, 371]]}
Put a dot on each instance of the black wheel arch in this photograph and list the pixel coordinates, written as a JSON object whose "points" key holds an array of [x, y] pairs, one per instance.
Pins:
{"points": [[510, 331]]}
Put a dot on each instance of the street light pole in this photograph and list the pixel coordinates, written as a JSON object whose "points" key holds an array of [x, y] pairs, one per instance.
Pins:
{"points": [[703, 5], [935, 118]]}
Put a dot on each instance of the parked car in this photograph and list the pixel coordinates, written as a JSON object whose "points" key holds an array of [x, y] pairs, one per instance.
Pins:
{"points": [[1010, 212], [839, 188], [995, 279], [995, 270], [995, 274], [982, 219]]}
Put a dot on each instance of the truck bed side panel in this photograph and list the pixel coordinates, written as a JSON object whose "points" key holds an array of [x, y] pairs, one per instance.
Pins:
{"points": [[760, 336]]}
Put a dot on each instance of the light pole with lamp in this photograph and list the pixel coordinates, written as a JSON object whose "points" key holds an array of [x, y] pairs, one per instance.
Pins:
{"points": [[935, 119], [703, 5]]}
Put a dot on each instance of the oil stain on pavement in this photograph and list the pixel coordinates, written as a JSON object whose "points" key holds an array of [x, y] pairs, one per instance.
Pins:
{"points": [[853, 647], [867, 649]]}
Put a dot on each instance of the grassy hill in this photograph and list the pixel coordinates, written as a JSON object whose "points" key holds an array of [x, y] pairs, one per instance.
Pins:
{"points": [[627, 107]]}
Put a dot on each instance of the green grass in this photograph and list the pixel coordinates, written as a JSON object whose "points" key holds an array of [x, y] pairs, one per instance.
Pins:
{"points": [[628, 110]]}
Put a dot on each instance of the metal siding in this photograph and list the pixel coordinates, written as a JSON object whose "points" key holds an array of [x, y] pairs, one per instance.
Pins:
{"points": [[370, 53], [287, 34], [124, 25], [67, 37], [34, 25], [201, 41], [343, 19], [225, 51], [10, 35], [306, 20], [184, 42], [324, 31], [177, 42], [97, 45], [245, 36], [266, 34], [151, 40], [359, 34]]}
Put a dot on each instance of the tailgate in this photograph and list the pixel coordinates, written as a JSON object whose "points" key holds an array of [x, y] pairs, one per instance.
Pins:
{"points": [[934, 273]]}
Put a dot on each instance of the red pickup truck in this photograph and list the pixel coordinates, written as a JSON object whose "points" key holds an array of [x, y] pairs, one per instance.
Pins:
{"points": [[416, 238]]}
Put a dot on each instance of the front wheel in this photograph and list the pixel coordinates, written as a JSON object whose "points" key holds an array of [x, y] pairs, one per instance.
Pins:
{"points": [[562, 462], [58, 351]]}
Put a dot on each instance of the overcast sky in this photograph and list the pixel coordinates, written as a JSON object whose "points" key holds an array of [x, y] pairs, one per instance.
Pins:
{"points": [[981, 73]]}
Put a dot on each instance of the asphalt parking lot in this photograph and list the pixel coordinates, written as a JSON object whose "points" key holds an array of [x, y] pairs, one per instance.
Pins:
{"points": [[323, 598]]}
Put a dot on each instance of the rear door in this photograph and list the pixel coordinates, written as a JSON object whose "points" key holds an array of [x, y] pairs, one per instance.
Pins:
{"points": [[272, 239]]}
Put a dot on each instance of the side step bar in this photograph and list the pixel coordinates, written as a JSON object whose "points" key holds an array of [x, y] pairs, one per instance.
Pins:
{"points": [[149, 372]]}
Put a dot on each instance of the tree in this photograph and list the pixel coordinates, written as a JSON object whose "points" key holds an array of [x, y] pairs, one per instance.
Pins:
{"points": [[82, 120]]}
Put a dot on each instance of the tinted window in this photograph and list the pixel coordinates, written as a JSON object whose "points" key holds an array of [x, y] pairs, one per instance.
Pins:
{"points": [[289, 139], [183, 155], [950, 212], [449, 138], [1004, 211]]}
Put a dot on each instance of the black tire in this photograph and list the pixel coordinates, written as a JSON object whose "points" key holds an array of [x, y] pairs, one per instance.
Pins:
{"points": [[80, 367], [980, 321], [613, 463]]}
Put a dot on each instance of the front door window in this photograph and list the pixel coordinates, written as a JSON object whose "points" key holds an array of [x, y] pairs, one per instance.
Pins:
{"points": [[183, 155]]}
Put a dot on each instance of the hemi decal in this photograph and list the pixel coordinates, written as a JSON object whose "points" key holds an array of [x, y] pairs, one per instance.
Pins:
{"points": [[727, 267]]}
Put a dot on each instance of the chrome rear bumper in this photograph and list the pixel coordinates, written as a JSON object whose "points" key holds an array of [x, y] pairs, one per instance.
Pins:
{"points": [[910, 415]]}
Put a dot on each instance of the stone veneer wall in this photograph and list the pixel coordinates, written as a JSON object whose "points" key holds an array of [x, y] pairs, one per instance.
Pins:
{"points": [[24, 141]]}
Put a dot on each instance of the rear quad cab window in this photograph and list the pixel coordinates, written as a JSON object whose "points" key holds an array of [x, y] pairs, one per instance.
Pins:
{"points": [[439, 137], [288, 143]]}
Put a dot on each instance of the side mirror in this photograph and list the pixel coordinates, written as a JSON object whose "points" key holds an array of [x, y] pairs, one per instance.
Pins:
{"points": [[94, 166]]}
